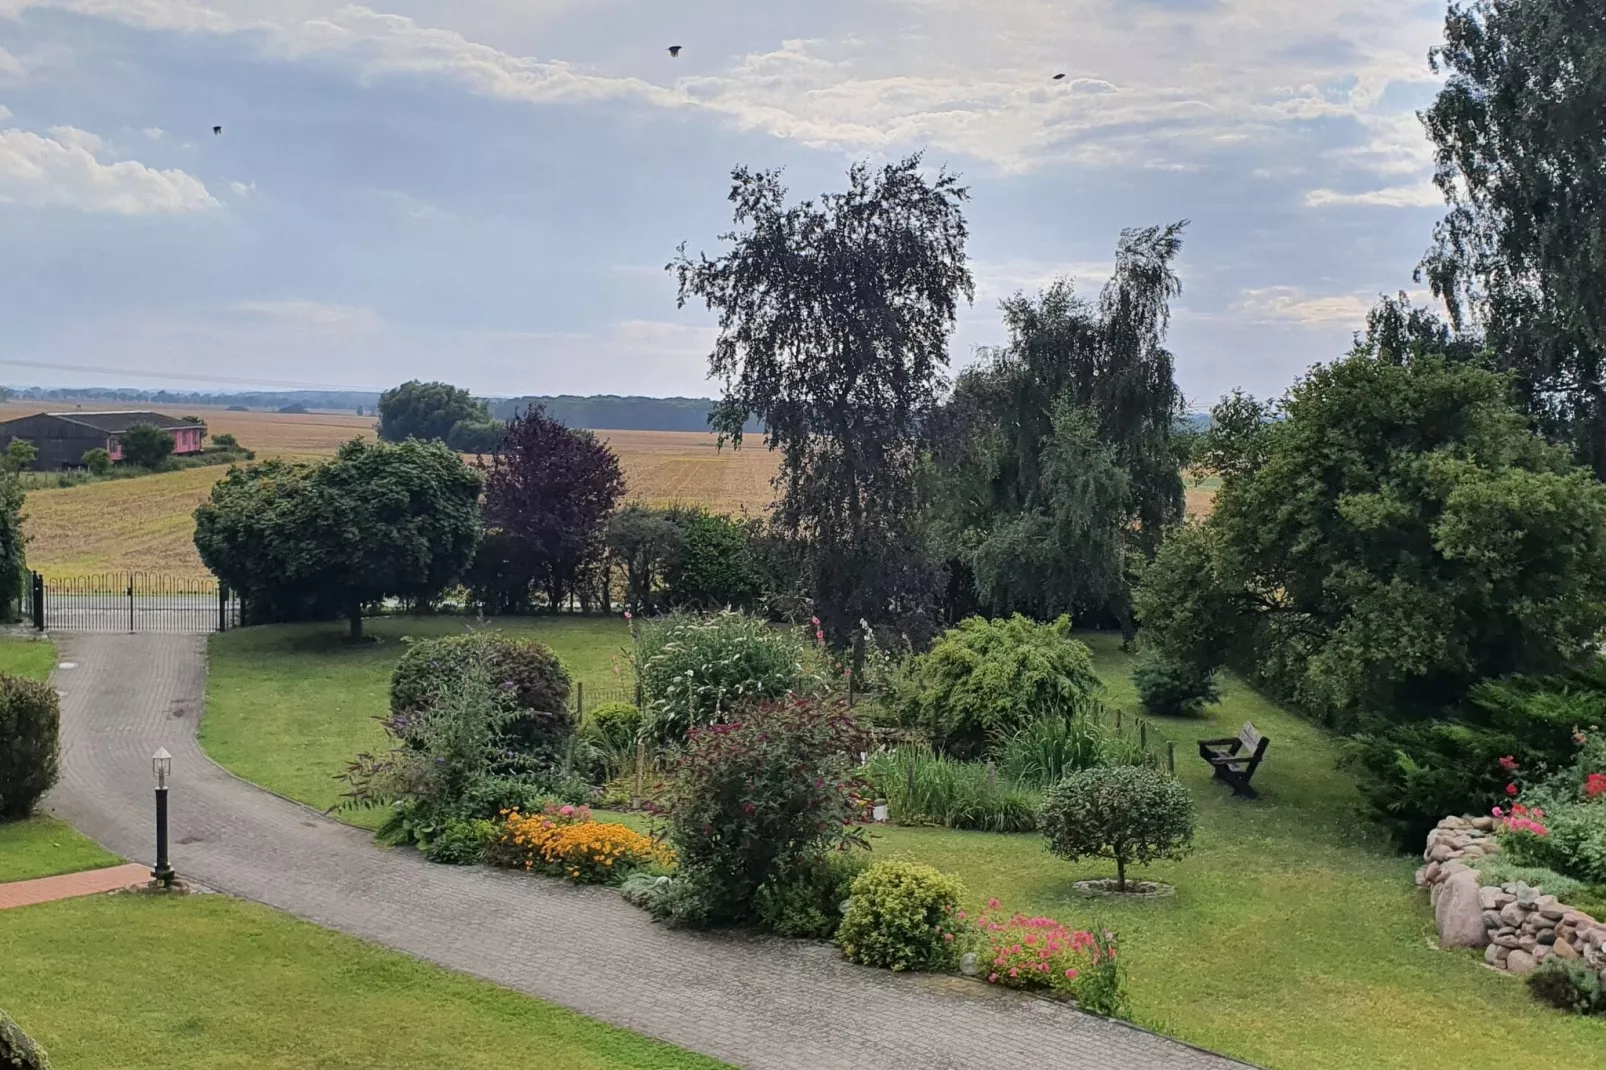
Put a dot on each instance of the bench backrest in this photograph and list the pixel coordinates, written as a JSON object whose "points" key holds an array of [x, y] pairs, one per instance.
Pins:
{"points": [[1249, 737]]}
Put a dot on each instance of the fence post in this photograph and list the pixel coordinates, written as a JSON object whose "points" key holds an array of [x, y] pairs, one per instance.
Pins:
{"points": [[1118, 719], [222, 606], [1171, 757], [131, 602], [38, 602], [1143, 735], [579, 702]]}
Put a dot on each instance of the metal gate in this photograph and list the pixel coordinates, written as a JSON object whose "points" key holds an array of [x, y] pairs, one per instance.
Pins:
{"points": [[130, 602]]}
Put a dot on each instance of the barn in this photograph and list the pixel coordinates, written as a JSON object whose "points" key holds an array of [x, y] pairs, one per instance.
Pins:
{"points": [[62, 438]]}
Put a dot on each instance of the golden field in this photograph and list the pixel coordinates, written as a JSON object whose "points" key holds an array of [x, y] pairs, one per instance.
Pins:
{"points": [[145, 524]]}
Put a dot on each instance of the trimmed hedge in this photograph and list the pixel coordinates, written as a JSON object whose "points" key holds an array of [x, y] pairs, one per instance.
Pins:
{"points": [[30, 743]]}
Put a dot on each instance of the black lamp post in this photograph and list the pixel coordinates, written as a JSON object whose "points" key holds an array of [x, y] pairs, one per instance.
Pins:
{"points": [[162, 767]]}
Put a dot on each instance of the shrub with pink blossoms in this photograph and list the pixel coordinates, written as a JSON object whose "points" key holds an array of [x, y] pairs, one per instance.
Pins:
{"points": [[1044, 954]]}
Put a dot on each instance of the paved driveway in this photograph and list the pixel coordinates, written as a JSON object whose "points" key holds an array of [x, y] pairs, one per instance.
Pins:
{"points": [[778, 1004]]}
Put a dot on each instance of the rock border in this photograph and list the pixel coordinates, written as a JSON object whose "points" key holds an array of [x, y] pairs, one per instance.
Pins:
{"points": [[1517, 926]]}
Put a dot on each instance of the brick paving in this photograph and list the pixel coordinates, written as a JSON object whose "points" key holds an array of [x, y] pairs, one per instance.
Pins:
{"points": [[70, 885], [762, 1003]]}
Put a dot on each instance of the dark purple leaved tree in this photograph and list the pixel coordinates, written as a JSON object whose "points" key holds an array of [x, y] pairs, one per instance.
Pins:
{"points": [[548, 495]]}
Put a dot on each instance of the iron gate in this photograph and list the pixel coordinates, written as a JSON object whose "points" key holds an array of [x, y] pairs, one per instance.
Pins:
{"points": [[130, 602]]}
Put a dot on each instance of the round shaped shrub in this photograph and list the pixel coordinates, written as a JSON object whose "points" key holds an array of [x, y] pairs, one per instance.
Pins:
{"points": [[526, 668], [17, 1050], [1123, 813], [901, 916], [1168, 688], [986, 680], [30, 743], [613, 723]]}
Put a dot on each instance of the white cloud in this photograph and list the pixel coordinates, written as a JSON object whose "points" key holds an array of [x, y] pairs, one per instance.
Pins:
{"points": [[153, 132], [12, 69], [65, 170], [5, 112], [1144, 83], [1417, 195], [1293, 304], [314, 316], [242, 189]]}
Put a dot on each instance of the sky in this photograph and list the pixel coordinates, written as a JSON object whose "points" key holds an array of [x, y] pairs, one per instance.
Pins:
{"points": [[487, 191]]}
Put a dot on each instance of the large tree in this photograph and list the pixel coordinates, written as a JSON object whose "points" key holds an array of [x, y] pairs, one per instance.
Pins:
{"points": [[1520, 133], [1386, 536], [548, 496], [437, 411], [1055, 462], [376, 521], [834, 319]]}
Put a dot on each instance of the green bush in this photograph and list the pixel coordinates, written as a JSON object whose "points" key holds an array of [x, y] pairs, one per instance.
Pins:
{"points": [[527, 670], [1575, 845], [462, 843], [30, 743], [713, 566], [682, 901], [1569, 984], [610, 731], [225, 442], [901, 916], [696, 670], [761, 796], [146, 446], [1122, 813], [987, 679], [17, 1050], [98, 461], [1169, 688], [805, 901], [925, 788]]}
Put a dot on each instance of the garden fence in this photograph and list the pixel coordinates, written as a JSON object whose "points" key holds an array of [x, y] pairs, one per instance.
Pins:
{"points": [[129, 602]]}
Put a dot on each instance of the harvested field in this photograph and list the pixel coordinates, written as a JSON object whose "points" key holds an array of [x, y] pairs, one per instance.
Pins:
{"points": [[145, 524], [271, 434]]}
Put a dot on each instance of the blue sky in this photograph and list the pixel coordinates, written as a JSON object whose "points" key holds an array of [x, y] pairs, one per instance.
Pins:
{"points": [[486, 192]]}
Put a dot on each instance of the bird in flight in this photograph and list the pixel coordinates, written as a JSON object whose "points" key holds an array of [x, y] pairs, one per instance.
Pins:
{"points": [[674, 50], [217, 130], [1058, 77]]}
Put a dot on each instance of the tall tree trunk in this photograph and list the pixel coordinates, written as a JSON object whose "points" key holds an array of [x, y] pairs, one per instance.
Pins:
{"points": [[355, 615], [1120, 873]]}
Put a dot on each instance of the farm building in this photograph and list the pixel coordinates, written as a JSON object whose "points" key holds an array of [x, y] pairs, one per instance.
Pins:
{"points": [[62, 438]]}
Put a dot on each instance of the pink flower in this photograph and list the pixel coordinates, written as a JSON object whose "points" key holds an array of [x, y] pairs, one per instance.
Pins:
{"points": [[1070, 975], [627, 615], [566, 811], [1013, 972], [1511, 789], [992, 977], [949, 937], [814, 621], [1595, 786], [993, 904], [1498, 812], [1509, 764]]}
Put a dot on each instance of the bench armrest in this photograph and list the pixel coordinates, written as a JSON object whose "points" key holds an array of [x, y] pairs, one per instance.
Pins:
{"points": [[1219, 742]]}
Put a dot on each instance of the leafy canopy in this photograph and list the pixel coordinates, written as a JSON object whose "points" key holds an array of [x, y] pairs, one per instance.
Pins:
{"points": [[376, 521], [145, 445], [1520, 136], [1126, 813], [1393, 536], [1055, 459], [834, 320], [548, 494], [427, 411]]}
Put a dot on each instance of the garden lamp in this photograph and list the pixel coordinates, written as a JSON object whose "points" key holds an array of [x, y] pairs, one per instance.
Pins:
{"points": [[161, 769]]}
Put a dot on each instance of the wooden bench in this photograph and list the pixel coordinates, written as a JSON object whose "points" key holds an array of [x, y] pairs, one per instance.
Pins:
{"points": [[1236, 758]]}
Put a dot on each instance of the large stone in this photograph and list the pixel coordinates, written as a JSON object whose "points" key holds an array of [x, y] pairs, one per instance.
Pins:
{"points": [[1541, 921], [1430, 872], [1546, 936], [1552, 913], [1564, 950], [1483, 824], [1459, 914], [1502, 898], [1506, 940], [1440, 852], [1520, 962], [1526, 896], [1527, 943], [1513, 914], [1541, 953], [1451, 868], [1488, 896], [1495, 955], [1578, 918], [1492, 919]]}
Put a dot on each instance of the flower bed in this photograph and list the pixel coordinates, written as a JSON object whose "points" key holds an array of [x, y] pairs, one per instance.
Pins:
{"points": [[564, 841]]}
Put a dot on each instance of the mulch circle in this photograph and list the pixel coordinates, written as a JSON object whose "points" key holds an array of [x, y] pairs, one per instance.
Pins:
{"points": [[1134, 889]]}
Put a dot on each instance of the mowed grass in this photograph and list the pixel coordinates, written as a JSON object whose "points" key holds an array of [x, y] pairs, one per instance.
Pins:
{"points": [[1296, 938], [148, 525], [289, 705], [212, 983]]}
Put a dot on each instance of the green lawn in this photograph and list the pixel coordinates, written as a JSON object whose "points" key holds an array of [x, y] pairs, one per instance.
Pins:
{"points": [[44, 847], [289, 705], [33, 658], [212, 983], [1295, 940]]}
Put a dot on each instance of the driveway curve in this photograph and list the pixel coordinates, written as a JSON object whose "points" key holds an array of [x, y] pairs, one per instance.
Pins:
{"points": [[771, 1004]]}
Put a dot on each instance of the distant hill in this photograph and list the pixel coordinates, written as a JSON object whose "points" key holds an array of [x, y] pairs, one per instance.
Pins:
{"points": [[619, 413], [272, 400]]}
